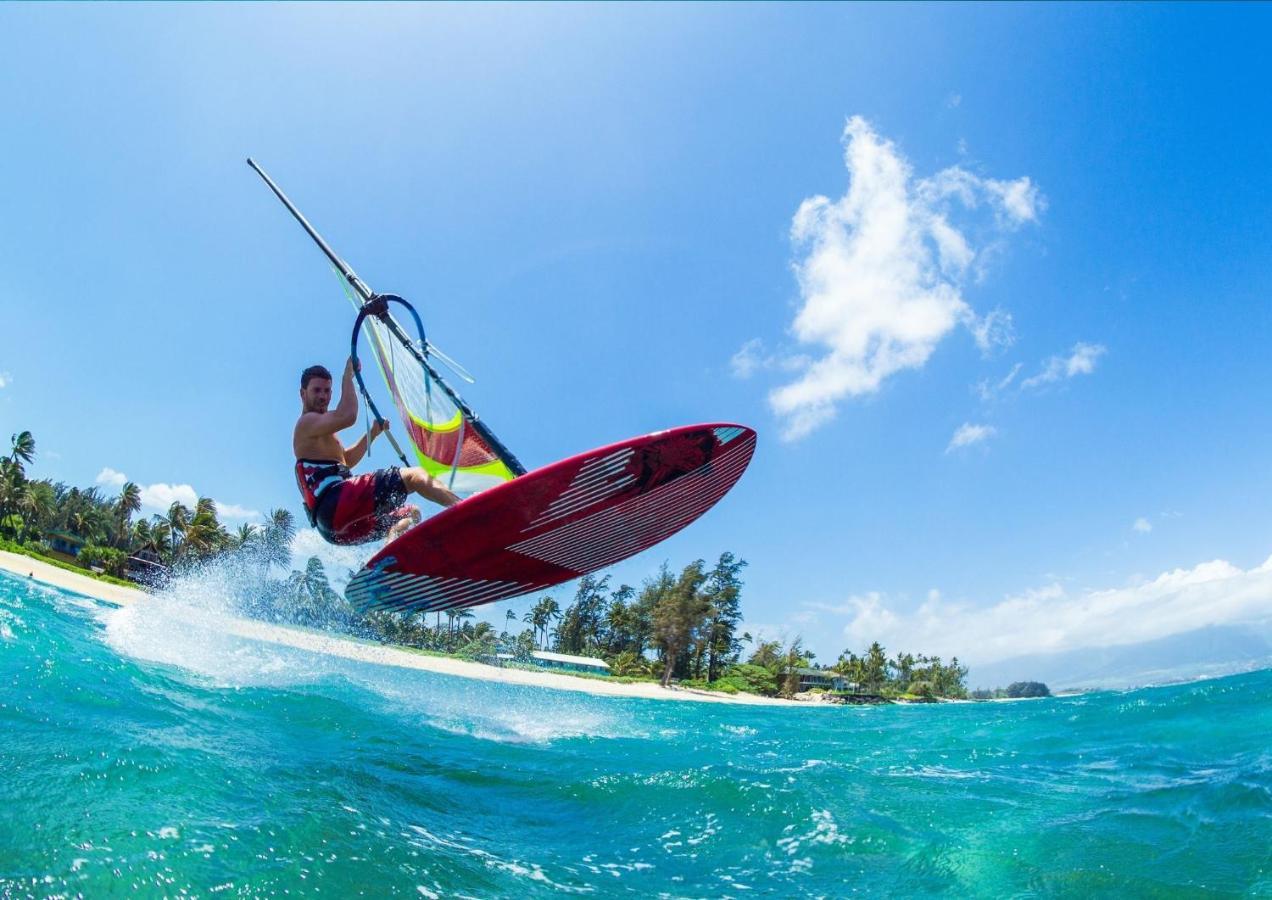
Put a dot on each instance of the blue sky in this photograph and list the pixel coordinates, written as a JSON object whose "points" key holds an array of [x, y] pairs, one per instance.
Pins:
{"points": [[1009, 375]]}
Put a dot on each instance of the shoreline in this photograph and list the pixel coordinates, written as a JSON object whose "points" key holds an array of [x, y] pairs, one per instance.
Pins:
{"points": [[379, 654]]}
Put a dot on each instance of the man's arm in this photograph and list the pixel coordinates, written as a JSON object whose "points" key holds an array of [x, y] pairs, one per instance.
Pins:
{"points": [[354, 454], [338, 419]]}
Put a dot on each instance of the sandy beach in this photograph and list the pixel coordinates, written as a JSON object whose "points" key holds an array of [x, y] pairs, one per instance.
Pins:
{"points": [[377, 654]]}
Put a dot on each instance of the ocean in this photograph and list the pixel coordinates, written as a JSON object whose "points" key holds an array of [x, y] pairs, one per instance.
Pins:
{"points": [[142, 751]]}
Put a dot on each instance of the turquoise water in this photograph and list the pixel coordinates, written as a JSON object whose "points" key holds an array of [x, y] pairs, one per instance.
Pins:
{"points": [[143, 751]]}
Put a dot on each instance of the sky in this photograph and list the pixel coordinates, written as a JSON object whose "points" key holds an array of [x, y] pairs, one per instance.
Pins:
{"points": [[991, 282]]}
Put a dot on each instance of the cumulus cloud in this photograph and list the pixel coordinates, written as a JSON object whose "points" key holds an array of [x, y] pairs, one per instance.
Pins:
{"points": [[881, 272], [110, 478], [967, 434], [232, 511], [1081, 360], [159, 497], [1052, 619], [1142, 525]]}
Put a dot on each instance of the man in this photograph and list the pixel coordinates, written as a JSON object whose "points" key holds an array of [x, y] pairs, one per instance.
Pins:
{"points": [[346, 508]]}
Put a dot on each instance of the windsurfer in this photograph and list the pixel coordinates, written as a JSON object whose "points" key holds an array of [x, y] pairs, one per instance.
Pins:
{"points": [[347, 508]]}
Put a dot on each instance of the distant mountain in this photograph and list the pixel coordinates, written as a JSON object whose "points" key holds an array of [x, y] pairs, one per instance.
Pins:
{"points": [[1206, 652]]}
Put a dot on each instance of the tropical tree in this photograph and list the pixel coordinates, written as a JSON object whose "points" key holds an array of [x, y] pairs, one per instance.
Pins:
{"points": [[13, 476], [280, 528], [246, 535], [679, 612], [541, 616], [128, 504], [37, 505], [723, 591], [767, 654], [22, 448], [205, 535], [178, 519], [159, 538], [580, 628]]}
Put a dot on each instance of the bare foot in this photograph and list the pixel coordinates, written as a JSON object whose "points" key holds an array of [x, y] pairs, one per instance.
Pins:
{"points": [[401, 526]]}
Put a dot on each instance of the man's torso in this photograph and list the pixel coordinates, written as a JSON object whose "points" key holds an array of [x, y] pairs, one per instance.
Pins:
{"points": [[325, 446]]}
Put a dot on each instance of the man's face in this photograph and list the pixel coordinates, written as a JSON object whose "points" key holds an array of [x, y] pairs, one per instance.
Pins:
{"points": [[316, 396]]}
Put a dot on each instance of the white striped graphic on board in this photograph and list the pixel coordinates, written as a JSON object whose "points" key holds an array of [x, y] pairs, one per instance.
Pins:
{"points": [[610, 535], [391, 591], [595, 480]]}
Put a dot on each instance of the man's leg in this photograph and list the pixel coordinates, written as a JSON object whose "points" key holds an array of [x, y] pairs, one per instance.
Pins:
{"points": [[418, 481]]}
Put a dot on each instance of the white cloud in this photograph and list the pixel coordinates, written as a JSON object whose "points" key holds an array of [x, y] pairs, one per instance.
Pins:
{"points": [[993, 331], [1051, 619], [160, 496], [748, 359], [988, 390], [954, 100], [111, 478], [5, 379], [1020, 199], [753, 357], [1142, 525], [234, 511], [967, 434], [882, 271], [1080, 361]]}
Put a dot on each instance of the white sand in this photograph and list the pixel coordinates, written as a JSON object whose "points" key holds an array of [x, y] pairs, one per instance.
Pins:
{"points": [[374, 653]]}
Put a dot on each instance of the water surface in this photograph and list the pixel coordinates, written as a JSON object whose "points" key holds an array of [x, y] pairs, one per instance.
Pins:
{"points": [[143, 750]]}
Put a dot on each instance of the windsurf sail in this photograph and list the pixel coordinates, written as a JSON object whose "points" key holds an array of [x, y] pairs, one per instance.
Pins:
{"points": [[446, 437]]}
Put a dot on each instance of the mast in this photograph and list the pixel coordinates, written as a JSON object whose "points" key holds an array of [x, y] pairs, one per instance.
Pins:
{"points": [[380, 312]]}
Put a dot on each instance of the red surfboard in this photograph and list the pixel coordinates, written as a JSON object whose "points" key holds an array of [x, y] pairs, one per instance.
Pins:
{"points": [[556, 523]]}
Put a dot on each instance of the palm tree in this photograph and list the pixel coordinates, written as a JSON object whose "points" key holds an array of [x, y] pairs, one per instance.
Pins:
{"points": [[552, 612], [160, 539], [38, 504], [23, 448], [178, 519], [129, 502], [205, 535], [509, 616], [13, 472], [246, 535], [280, 528]]}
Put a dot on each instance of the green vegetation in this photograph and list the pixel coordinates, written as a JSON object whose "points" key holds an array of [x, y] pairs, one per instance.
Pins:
{"points": [[11, 547], [905, 676], [35, 512], [1015, 690]]}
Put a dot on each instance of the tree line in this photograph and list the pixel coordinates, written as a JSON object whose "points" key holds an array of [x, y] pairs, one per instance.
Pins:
{"points": [[33, 509]]}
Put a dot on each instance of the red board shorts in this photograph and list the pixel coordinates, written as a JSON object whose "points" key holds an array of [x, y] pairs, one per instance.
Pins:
{"points": [[362, 508]]}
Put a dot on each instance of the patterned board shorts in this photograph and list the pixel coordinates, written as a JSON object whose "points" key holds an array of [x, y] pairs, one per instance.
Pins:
{"points": [[362, 508]]}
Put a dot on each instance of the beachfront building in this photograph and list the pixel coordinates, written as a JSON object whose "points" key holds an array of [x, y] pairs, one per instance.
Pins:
{"points": [[144, 567], [823, 680], [568, 663], [63, 545]]}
